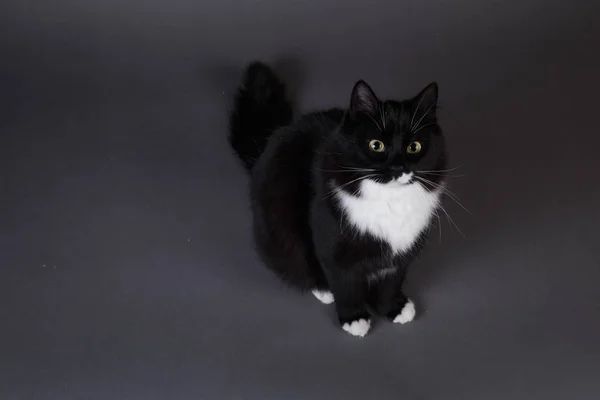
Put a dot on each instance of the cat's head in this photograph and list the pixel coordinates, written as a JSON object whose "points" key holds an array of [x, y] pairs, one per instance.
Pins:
{"points": [[391, 142]]}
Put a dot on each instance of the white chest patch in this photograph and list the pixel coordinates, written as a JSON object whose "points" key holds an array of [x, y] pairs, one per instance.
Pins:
{"points": [[394, 212]]}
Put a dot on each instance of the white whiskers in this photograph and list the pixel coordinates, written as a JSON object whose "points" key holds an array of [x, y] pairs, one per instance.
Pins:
{"points": [[422, 117], [443, 170], [376, 123], [334, 190], [445, 191], [451, 195]]}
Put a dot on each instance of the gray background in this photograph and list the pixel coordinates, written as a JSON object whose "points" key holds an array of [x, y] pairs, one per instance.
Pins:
{"points": [[127, 269]]}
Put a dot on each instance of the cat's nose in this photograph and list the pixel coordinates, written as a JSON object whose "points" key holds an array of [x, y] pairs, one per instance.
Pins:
{"points": [[397, 170]]}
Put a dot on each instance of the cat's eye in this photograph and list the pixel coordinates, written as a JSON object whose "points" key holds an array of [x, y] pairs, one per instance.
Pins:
{"points": [[376, 146], [414, 148]]}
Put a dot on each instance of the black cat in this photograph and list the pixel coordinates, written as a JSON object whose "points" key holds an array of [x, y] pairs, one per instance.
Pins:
{"points": [[342, 199]]}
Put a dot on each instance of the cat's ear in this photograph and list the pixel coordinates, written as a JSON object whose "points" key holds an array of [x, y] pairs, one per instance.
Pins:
{"points": [[426, 101], [363, 100]]}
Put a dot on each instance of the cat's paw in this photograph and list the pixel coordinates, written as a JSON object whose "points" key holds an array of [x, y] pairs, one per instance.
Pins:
{"points": [[324, 296], [407, 314], [359, 327]]}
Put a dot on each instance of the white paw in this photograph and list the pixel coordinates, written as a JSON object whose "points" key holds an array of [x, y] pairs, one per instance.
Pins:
{"points": [[407, 314], [324, 296], [358, 328]]}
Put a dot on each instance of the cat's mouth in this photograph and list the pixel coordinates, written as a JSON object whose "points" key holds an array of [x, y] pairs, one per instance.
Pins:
{"points": [[406, 178]]}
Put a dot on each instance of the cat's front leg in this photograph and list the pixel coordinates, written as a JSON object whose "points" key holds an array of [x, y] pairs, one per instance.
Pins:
{"points": [[350, 295], [389, 300]]}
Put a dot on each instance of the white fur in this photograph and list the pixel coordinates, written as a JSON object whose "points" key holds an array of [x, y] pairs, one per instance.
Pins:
{"points": [[395, 212], [325, 297], [407, 314], [405, 178], [358, 328]]}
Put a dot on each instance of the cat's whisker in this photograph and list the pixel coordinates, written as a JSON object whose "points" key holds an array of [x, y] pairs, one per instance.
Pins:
{"points": [[424, 115], [435, 185], [439, 220], [440, 174], [334, 190], [445, 191], [415, 113], [437, 214], [421, 127], [443, 170], [345, 170], [452, 221], [373, 119], [356, 168]]}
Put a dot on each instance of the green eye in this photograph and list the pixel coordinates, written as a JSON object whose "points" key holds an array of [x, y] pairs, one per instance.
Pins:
{"points": [[376, 146], [414, 148]]}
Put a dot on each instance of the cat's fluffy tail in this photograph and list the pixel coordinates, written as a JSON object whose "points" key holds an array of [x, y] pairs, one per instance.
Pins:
{"points": [[260, 107]]}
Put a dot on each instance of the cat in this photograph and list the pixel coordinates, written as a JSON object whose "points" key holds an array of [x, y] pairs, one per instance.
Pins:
{"points": [[342, 199]]}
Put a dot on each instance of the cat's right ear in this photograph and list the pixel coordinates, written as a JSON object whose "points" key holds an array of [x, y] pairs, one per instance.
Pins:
{"points": [[363, 100]]}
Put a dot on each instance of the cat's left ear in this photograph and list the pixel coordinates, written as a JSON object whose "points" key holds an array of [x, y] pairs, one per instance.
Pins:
{"points": [[426, 101], [363, 100]]}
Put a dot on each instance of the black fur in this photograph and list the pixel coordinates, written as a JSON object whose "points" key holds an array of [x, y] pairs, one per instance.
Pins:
{"points": [[300, 231], [260, 107]]}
